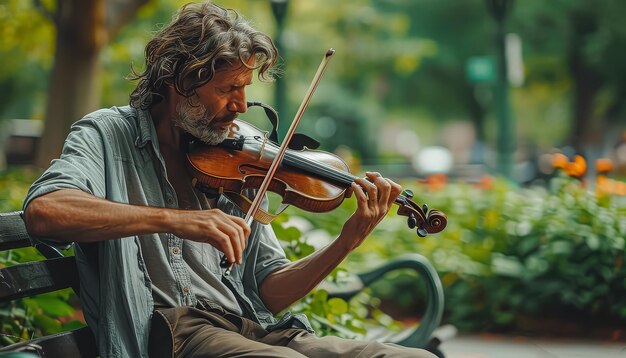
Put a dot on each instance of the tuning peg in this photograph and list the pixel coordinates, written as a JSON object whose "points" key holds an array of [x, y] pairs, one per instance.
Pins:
{"points": [[408, 193], [421, 231], [425, 208], [412, 221]]}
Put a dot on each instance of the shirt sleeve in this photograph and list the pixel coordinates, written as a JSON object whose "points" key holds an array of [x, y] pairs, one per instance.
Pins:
{"points": [[271, 255], [81, 166]]}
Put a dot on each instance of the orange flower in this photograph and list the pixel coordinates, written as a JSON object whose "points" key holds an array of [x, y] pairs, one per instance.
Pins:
{"points": [[437, 181], [577, 168], [486, 182], [559, 160], [604, 165]]}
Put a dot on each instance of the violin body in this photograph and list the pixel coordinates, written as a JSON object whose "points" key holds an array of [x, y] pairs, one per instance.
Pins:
{"points": [[311, 180], [234, 169]]}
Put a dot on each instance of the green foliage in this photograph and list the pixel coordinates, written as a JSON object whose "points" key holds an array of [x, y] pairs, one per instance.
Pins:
{"points": [[14, 184], [25, 59], [396, 61], [509, 253], [42, 314], [334, 316], [38, 315]]}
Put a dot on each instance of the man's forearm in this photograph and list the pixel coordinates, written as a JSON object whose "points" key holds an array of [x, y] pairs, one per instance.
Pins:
{"points": [[295, 280], [73, 215]]}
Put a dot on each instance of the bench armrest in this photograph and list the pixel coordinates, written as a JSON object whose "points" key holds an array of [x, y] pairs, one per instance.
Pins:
{"points": [[417, 336]]}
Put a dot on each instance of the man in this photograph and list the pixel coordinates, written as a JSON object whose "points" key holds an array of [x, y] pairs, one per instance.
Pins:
{"points": [[149, 243]]}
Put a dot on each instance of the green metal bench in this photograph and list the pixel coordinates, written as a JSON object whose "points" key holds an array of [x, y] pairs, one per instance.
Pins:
{"points": [[58, 272], [419, 336]]}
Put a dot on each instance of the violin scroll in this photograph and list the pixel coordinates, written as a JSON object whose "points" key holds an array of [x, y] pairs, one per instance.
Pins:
{"points": [[427, 222]]}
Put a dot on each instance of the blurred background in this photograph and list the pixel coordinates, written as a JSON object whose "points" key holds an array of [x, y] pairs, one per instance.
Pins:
{"points": [[509, 116]]}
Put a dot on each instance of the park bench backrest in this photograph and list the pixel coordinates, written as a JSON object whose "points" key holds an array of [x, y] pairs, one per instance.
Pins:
{"points": [[54, 273]]}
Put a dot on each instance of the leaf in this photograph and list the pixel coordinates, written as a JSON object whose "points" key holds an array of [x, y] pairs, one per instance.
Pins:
{"points": [[337, 306], [506, 266], [288, 234], [53, 306], [342, 330], [48, 324]]}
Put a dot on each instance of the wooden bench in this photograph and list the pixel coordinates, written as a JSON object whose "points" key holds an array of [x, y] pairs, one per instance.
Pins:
{"points": [[58, 272], [55, 273]]}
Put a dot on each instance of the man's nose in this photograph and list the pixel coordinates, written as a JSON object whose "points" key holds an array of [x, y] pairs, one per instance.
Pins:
{"points": [[238, 103]]}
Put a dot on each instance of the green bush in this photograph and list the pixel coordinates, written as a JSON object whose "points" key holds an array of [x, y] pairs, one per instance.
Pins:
{"points": [[508, 253]]}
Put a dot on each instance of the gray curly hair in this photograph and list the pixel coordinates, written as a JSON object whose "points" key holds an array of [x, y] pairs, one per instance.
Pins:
{"points": [[201, 39]]}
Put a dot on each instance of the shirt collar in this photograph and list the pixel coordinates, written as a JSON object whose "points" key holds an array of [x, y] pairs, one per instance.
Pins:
{"points": [[146, 128]]}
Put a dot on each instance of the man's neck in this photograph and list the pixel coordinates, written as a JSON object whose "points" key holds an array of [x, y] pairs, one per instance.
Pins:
{"points": [[168, 134]]}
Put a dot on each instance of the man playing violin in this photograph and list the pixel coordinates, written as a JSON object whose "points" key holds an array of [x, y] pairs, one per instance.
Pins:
{"points": [[148, 244]]}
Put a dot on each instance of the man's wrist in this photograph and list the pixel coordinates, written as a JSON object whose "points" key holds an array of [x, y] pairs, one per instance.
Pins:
{"points": [[346, 243], [165, 220]]}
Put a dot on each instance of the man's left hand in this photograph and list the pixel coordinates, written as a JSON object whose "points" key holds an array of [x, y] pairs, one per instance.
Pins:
{"points": [[375, 196]]}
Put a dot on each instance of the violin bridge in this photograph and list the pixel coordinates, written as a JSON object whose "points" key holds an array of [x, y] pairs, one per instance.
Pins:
{"points": [[262, 150]]}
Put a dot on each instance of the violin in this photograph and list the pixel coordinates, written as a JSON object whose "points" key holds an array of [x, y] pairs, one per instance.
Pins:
{"points": [[312, 180]]}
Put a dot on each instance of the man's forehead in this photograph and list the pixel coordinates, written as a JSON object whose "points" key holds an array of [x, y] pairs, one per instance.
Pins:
{"points": [[239, 73]]}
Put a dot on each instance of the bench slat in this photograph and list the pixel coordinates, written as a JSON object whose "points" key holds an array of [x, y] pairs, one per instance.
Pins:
{"points": [[76, 343], [13, 233], [33, 278]]}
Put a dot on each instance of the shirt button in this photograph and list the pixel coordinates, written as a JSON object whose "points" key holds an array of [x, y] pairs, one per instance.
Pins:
{"points": [[186, 290], [170, 201], [175, 250]]}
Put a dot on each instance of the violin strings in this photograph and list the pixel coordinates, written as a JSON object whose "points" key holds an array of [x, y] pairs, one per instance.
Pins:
{"points": [[323, 170], [317, 167]]}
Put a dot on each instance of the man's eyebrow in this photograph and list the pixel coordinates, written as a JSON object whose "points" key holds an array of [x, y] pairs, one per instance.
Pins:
{"points": [[248, 83]]}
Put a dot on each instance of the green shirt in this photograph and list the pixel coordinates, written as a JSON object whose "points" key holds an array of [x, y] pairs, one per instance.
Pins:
{"points": [[113, 154]]}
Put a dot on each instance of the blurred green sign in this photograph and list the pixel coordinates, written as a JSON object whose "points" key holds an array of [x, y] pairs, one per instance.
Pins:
{"points": [[481, 69]]}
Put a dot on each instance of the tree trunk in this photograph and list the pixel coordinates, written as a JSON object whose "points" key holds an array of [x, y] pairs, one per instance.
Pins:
{"points": [[585, 130], [84, 28], [73, 92]]}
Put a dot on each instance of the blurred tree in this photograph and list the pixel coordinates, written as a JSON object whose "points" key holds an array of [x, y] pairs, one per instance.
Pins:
{"points": [[83, 29], [396, 61], [373, 43], [590, 39], [24, 58], [461, 30]]}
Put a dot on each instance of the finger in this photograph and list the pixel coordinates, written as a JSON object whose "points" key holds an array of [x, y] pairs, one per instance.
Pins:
{"points": [[370, 188], [396, 189], [361, 197], [222, 242], [384, 190], [242, 223], [349, 191], [244, 234], [236, 233]]}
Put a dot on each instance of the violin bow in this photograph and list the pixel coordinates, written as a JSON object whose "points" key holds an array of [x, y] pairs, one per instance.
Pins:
{"points": [[256, 203]]}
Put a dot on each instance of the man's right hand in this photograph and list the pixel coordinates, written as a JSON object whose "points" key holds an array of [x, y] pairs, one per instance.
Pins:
{"points": [[225, 232]]}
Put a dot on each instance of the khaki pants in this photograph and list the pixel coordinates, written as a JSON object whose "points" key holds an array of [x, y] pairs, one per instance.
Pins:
{"points": [[192, 332]]}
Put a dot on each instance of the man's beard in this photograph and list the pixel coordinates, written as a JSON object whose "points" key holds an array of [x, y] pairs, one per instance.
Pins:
{"points": [[194, 119]]}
